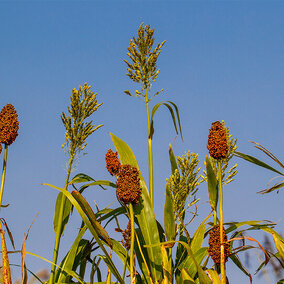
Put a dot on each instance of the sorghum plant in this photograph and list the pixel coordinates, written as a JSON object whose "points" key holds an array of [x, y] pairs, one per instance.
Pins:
{"points": [[143, 69], [9, 126], [83, 105]]}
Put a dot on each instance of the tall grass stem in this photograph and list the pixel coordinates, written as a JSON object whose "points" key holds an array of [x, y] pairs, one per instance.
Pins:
{"points": [[132, 241], [150, 152], [223, 269], [3, 173], [59, 225]]}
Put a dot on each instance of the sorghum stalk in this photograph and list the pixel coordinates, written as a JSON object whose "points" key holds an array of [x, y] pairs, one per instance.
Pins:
{"points": [[223, 268], [142, 69], [83, 105], [60, 222], [3, 173], [150, 152], [132, 241]]}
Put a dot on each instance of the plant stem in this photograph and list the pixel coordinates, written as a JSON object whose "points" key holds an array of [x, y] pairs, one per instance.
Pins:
{"points": [[223, 269], [3, 173], [132, 241], [59, 224], [150, 152]]}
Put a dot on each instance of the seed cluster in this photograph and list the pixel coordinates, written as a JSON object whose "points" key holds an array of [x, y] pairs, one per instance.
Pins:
{"points": [[214, 249], [127, 236], [128, 185], [217, 141], [9, 124], [112, 162], [1, 148]]}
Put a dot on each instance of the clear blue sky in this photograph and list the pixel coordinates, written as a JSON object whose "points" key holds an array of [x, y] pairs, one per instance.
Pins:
{"points": [[223, 60]]}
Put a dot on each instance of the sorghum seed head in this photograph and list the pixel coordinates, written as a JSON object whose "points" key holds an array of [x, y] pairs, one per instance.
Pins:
{"points": [[112, 162], [214, 249], [1, 148], [217, 141], [9, 124], [127, 236], [128, 185]]}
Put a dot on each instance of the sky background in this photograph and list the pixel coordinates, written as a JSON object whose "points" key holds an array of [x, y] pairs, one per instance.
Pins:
{"points": [[223, 60]]}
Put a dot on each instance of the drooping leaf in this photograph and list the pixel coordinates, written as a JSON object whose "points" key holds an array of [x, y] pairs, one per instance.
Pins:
{"points": [[175, 117], [80, 178], [256, 162], [93, 229], [278, 240], [143, 211], [102, 233], [274, 187], [238, 263], [256, 224]]}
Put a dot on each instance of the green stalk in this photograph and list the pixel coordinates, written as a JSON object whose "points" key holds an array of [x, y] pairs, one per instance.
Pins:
{"points": [[215, 217], [223, 269], [125, 264], [132, 241], [150, 152], [59, 226], [3, 173], [144, 260]]}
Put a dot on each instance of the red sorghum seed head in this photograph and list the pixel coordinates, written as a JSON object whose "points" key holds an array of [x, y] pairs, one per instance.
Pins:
{"points": [[1, 148], [214, 249], [127, 236], [217, 141], [128, 185], [9, 124], [112, 162]]}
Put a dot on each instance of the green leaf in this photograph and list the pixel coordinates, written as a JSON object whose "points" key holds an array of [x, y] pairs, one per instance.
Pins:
{"points": [[213, 276], [169, 105], [143, 211], [101, 182], [166, 266], [256, 224], [278, 240], [66, 212], [93, 229], [173, 160], [212, 185], [68, 262], [190, 264], [102, 233], [186, 279], [198, 236], [142, 263], [256, 162], [81, 178], [238, 263], [169, 215], [274, 187], [203, 278]]}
